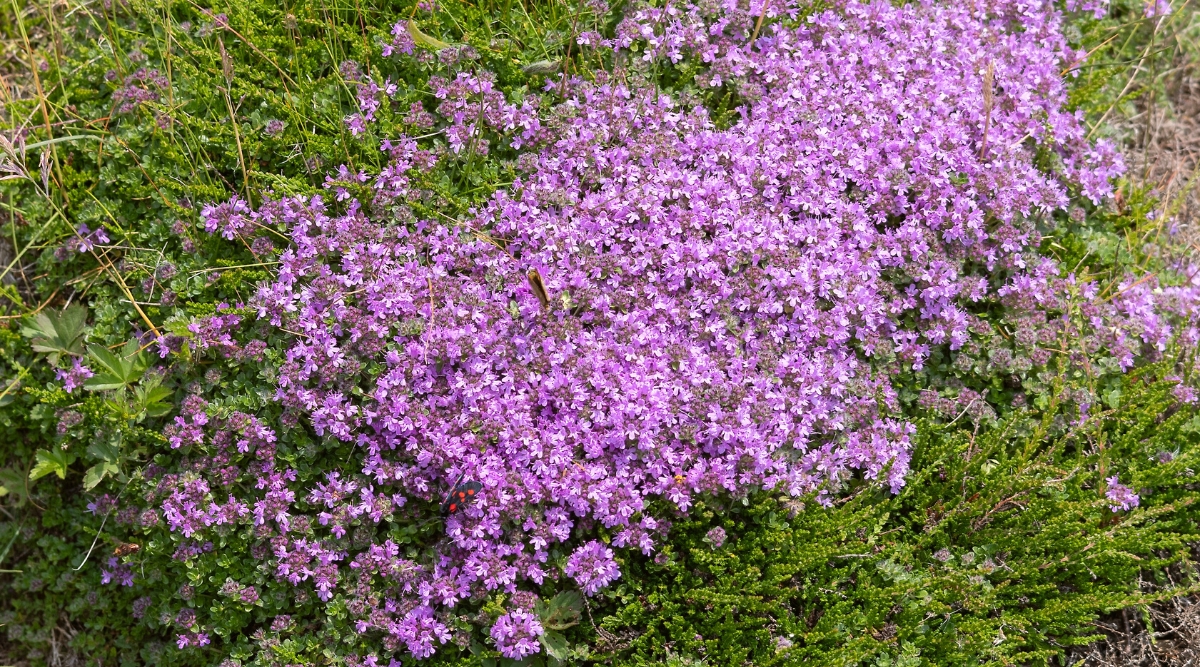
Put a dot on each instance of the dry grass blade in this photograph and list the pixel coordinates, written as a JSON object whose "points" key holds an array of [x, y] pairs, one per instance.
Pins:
{"points": [[988, 94]]}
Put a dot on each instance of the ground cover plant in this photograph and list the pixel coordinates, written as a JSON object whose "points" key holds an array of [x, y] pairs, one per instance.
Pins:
{"points": [[749, 334]]}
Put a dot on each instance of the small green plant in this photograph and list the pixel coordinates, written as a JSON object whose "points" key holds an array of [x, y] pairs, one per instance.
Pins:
{"points": [[57, 335]]}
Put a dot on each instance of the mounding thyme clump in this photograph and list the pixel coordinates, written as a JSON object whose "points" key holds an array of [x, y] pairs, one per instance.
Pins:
{"points": [[662, 306], [560, 333]]}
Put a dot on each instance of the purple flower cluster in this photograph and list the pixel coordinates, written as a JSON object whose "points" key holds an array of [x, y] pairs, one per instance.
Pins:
{"points": [[592, 567], [235, 591], [102, 505], [73, 377], [85, 240], [214, 331], [140, 606], [188, 550], [516, 634], [716, 537], [1122, 497], [197, 639], [1156, 8], [274, 127], [470, 102], [1137, 319], [231, 219], [191, 506], [301, 560], [140, 87], [117, 571], [402, 41], [664, 305], [370, 97]]}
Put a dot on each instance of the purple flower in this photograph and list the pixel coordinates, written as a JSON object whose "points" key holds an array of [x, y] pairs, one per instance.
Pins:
{"points": [[402, 41], [87, 239], [516, 634], [262, 246], [350, 70], [103, 504], [356, 123], [141, 87], [122, 573], [140, 606], [185, 618], [1122, 497], [196, 639], [246, 594], [216, 332], [73, 377], [419, 630], [68, 419], [1156, 8], [592, 567], [231, 219], [716, 537]]}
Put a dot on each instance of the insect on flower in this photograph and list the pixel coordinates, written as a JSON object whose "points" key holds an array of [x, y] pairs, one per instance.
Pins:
{"points": [[126, 549], [538, 287], [460, 495]]}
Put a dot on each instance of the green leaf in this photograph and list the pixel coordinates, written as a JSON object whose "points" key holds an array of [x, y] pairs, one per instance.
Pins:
{"points": [[116, 371], [425, 40], [556, 645], [53, 461], [57, 334], [105, 451], [561, 612], [13, 482], [97, 473], [150, 398]]}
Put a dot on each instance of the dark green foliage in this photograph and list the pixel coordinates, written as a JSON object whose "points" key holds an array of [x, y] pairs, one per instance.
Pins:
{"points": [[1001, 549]]}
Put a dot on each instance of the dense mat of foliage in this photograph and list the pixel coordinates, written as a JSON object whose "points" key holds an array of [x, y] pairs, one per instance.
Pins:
{"points": [[997, 551], [629, 273]]}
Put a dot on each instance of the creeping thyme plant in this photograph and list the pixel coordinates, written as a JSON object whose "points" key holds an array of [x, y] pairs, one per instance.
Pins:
{"points": [[568, 333]]}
